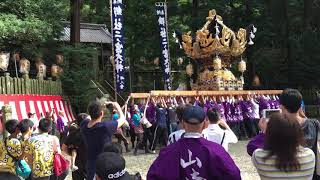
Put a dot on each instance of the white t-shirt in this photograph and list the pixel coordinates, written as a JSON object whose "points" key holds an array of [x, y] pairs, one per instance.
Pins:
{"points": [[175, 136], [215, 134], [255, 109]]}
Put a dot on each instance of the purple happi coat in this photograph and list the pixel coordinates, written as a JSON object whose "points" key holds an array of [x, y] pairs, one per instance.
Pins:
{"points": [[277, 103], [237, 112], [263, 104], [151, 113], [247, 110], [207, 106], [221, 109], [272, 104], [193, 158], [255, 143], [228, 112], [219, 106]]}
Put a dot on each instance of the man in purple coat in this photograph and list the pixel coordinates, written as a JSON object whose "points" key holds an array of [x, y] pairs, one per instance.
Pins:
{"points": [[193, 157]]}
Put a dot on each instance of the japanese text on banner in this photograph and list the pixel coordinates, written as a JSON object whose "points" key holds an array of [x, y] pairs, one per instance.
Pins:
{"points": [[164, 44], [118, 42]]}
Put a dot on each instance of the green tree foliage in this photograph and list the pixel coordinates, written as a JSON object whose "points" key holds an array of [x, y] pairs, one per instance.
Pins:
{"points": [[77, 76], [28, 23]]}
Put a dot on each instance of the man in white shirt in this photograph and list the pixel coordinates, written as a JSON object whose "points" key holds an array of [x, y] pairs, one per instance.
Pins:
{"points": [[215, 133], [175, 136]]}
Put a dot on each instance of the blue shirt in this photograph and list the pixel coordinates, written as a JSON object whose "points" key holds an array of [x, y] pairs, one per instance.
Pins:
{"points": [[95, 138], [136, 119], [161, 116]]}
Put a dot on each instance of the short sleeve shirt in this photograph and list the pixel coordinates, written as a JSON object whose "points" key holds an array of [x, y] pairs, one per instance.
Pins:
{"points": [[14, 148], [42, 149], [96, 137]]}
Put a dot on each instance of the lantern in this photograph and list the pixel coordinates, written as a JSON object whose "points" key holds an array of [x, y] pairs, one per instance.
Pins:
{"points": [[42, 70], [111, 60], [55, 70], [242, 66], [179, 61], [39, 61], [24, 66], [156, 61], [189, 69], [16, 56], [4, 61], [59, 58], [217, 63]]}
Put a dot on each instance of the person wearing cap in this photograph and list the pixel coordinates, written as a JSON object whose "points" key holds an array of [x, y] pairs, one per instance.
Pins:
{"points": [[193, 157], [111, 165]]}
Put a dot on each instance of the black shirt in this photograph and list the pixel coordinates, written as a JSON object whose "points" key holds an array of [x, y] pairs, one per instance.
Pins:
{"points": [[172, 115], [75, 141]]}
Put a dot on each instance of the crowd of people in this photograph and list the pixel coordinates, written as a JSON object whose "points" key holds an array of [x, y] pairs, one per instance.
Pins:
{"points": [[193, 135]]}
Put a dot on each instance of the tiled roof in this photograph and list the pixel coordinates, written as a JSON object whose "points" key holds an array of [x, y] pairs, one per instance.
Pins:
{"points": [[89, 33]]}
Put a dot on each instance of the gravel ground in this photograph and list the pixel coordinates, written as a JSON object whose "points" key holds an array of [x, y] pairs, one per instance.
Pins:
{"points": [[142, 162]]}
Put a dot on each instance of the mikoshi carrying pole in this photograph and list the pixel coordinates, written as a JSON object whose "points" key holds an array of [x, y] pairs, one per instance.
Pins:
{"points": [[161, 12], [201, 93]]}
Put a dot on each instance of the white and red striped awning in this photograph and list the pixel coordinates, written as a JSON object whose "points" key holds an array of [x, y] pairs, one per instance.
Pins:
{"points": [[23, 104]]}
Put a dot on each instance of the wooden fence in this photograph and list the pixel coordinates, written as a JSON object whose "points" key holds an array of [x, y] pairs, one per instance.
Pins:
{"points": [[9, 85]]}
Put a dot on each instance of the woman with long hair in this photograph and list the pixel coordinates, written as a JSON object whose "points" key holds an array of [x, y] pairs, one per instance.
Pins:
{"points": [[283, 155]]}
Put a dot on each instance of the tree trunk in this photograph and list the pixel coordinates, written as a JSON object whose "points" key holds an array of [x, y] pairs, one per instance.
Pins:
{"points": [[75, 22], [307, 14], [195, 9]]}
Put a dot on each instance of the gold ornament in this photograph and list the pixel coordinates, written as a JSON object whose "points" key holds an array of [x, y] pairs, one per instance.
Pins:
{"points": [[217, 63], [224, 41], [242, 66], [189, 69]]}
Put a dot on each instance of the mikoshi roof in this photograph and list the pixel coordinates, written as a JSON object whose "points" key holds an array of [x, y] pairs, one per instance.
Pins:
{"points": [[89, 33]]}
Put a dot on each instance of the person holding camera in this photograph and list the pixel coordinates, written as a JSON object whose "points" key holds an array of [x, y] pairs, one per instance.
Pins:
{"points": [[290, 101], [96, 132]]}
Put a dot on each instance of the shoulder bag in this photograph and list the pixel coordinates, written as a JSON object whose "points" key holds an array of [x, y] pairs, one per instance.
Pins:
{"points": [[21, 166]]}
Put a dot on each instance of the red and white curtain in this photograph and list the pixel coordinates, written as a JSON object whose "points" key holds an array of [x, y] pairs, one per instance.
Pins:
{"points": [[40, 104]]}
